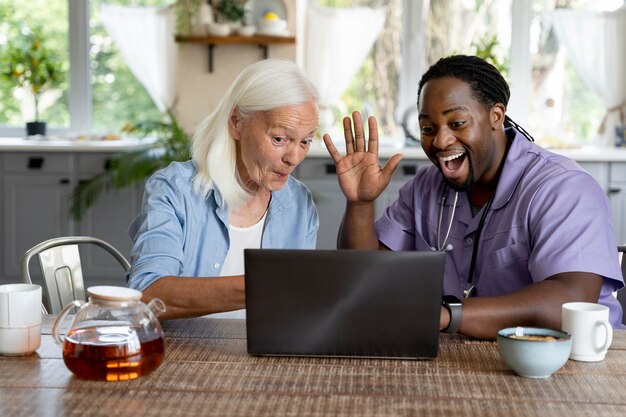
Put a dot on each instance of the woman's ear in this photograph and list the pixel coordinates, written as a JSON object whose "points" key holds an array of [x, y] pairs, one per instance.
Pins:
{"points": [[496, 116], [234, 123]]}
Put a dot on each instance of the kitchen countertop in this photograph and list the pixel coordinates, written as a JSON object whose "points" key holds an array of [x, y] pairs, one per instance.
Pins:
{"points": [[318, 149], [581, 154], [67, 145]]}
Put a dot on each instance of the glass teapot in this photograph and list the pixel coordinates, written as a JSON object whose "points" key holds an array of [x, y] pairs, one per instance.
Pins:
{"points": [[114, 336]]}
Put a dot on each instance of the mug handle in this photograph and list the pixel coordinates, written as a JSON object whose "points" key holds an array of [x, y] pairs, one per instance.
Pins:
{"points": [[57, 322], [609, 336]]}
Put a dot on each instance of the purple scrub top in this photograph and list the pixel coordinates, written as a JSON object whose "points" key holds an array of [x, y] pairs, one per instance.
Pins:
{"points": [[548, 216]]}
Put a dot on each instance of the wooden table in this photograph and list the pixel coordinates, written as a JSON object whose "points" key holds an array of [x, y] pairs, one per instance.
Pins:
{"points": [[208, 372]]}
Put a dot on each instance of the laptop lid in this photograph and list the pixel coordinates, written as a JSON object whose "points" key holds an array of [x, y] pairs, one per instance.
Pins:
{"points": [[343, 303]]}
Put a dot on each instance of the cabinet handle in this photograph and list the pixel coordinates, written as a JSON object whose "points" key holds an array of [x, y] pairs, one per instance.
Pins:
{"points": [[35, 162], [64, 181], [330, 168], [409, 169], [614, 190]]}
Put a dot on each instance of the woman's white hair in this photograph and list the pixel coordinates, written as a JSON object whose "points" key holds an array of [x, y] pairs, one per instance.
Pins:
{"points": [[265, 85]]}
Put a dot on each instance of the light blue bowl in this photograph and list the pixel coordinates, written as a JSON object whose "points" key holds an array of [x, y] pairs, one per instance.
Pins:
{"points": [[534, 358]]}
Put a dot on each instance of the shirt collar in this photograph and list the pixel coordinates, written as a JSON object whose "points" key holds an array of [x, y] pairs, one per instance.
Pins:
{"points": [[517, 159], [281, 200]]}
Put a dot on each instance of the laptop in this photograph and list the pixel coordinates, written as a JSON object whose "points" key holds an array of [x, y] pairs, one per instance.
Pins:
{"points": [[346, 303]]}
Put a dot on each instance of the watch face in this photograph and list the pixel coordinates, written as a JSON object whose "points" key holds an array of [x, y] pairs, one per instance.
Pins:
{"points": [[451, 300]]}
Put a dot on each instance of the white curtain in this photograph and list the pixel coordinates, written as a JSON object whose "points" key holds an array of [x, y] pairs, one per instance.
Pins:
{"points": [[337, 41], [596, 45], [145, 37]]}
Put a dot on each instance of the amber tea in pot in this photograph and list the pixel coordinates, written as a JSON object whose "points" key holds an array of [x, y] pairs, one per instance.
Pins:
{"points": [[114, 336]]}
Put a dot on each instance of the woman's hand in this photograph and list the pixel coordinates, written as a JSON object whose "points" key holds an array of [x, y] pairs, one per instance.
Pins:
{"points": [[360, 175]]}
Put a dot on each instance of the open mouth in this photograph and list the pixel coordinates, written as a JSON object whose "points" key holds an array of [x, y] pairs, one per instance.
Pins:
{"points": [[451, 165]]}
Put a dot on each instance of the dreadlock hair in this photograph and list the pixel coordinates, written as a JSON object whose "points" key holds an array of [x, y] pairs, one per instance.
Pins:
{"points": [[488, 85]]}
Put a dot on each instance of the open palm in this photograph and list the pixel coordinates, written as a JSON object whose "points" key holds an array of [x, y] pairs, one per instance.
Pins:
{"points": [[360, 175]]}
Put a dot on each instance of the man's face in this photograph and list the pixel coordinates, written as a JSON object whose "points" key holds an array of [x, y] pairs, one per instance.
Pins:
{"points": [[459, 135], [271, 144]]}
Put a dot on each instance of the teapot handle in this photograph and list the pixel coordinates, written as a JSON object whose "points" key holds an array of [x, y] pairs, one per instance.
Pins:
{"points": [[57, 322]]}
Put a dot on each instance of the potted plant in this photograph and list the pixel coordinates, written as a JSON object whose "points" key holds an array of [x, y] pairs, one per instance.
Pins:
{"points": [[134, 166], [231, 11], [29, 64]]}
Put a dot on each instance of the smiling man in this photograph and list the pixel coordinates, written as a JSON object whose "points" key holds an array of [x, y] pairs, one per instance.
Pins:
{"points": [[526, 230]]}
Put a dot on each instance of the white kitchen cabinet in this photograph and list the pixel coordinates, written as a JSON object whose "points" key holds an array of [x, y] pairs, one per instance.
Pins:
{"points": [[319, 175], [34, 203], [108, 219], [36, 189]]}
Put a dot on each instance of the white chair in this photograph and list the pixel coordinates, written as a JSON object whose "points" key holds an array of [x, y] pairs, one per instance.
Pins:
{"points": [[61, 268], [621, 294]]}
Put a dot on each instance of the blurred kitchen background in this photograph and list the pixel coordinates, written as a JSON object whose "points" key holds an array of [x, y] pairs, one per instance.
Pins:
{"points": [[564, 59]]}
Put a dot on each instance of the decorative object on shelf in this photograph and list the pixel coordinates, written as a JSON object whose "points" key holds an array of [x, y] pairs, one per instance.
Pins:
{"points": [[31, 66], [188, 17], [271, 24], [231, 12], [260, 7], [246, 30], [219, 29], [206, 16], [134, 166]]}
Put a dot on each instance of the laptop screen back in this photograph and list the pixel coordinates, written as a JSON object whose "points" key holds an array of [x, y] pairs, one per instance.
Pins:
{"points": [[343, 302]]}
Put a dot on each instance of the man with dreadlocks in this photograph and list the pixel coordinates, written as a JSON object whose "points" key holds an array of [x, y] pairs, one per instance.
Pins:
{"points": [[525, 230]]}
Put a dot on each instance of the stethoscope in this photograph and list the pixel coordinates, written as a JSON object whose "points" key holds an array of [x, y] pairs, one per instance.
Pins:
{"points": [[442, 246], [470, 286]]}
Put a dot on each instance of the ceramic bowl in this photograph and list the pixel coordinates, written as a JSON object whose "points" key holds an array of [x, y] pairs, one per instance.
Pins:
{"points": [[272, 27], [530, 354], [219, 29], [246, 30]]}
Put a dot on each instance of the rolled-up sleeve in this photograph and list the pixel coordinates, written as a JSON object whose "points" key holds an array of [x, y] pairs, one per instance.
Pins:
{"points": [[157, 234]]}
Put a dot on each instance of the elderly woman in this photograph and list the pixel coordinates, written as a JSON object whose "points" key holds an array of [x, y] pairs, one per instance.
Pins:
{"points": [[235, 193]]}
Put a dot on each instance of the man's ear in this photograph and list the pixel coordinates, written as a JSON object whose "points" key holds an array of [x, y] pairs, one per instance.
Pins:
{"points": [[234, 124], [496, 116]]}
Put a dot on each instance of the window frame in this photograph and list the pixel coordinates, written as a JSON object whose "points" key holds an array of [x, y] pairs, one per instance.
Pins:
{"points": [[79, 95], [413, 41]]}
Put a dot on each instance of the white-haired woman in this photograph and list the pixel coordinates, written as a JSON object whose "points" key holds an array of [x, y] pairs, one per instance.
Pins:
{"points": [[236, 192]]}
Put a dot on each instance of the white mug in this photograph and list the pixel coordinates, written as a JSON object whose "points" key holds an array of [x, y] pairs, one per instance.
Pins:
{"points": [[20, 319], [592, 334]]}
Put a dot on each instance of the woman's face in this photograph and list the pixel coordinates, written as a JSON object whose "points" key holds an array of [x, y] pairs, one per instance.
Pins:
{"points": [[270, 144]]}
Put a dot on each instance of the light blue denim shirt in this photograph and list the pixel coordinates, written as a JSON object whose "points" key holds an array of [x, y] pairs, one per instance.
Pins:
{"points": [[180, 233]]}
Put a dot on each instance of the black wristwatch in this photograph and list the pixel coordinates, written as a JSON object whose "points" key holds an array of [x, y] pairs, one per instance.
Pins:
{"points": [[454, 306]]}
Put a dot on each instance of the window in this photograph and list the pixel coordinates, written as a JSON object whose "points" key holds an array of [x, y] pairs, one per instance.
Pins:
{"points": [[563, 111], [18, 19], [548, 97], [98, 93]]}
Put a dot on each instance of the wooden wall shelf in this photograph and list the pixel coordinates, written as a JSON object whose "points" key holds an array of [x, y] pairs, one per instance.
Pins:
{"points": [[262, 41]]}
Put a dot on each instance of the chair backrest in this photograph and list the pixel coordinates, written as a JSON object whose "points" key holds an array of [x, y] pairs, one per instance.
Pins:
{"points": [[61, 268], [621, 294]]}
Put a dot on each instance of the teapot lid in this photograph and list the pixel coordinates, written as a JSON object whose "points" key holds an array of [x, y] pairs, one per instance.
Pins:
{"points": [[111, 293]]}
